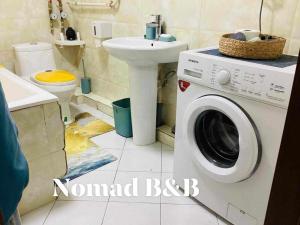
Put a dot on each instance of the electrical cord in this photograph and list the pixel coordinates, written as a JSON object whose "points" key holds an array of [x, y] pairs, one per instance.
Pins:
{"points": [[168, 75], [260, 14]]}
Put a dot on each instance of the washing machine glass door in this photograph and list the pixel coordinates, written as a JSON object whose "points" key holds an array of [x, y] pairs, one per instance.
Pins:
{"points": [[222, 139]]}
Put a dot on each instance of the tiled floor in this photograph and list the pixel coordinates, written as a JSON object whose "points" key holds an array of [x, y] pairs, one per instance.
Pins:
{"points": [[154, 161]]}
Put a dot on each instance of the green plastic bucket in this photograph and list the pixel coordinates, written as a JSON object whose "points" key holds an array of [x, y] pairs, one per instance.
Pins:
{"points": [[122, 117]]}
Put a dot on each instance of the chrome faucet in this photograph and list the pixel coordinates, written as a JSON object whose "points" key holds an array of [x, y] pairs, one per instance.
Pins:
{"points": [[157, 19]]}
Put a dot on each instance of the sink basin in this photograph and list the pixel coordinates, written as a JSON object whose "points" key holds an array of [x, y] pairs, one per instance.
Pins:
{"points": [[143, 57], [137, 50]]}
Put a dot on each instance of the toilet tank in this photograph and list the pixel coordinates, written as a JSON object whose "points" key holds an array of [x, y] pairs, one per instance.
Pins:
{"points": [[33, 57]]}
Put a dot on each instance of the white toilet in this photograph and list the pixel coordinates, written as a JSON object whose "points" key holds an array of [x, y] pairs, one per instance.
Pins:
{"points": [[35, 63]]}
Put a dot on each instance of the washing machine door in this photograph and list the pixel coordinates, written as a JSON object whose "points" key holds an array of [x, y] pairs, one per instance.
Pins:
{"points": [[222, 138]]}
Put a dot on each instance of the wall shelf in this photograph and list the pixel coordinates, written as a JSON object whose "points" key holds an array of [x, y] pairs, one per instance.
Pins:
{"points": [[63, 43]]}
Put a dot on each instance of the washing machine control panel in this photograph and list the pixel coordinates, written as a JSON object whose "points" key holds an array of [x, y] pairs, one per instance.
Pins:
{"points": [[251, 80]]}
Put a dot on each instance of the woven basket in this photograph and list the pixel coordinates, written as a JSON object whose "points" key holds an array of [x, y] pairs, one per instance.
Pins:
{"points": [[270, 49]]}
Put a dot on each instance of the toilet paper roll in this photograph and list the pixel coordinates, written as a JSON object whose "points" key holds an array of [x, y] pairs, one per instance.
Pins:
{"points": [[255, 39], [249, 34]]}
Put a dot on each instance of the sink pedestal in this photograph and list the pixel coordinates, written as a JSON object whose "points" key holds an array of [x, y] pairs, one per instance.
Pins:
{"points": [[143, 57], [143, 86]]}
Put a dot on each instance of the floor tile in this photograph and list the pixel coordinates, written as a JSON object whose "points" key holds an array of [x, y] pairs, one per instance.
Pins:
{"points": [[113, 166], [132, 214], [75, 109], [76, 213], [221, 221], [124, 178], [167, 159], [145, 159], [38, 216], [129, 145], [94, 177], [175, 199], [186, 214], [110, 140]]}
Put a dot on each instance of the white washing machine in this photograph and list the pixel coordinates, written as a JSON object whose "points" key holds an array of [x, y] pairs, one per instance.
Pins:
{"points": [[230, 120]]}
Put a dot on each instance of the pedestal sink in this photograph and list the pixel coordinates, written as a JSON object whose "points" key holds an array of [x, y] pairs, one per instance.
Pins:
{"points": [[143, 57]]}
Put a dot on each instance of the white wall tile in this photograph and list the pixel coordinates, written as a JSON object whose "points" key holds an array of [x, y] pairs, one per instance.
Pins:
{"points": [[198, 22]]}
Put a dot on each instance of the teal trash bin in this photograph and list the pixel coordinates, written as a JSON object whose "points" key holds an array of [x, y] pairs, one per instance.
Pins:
{"points": [[122, 117]]}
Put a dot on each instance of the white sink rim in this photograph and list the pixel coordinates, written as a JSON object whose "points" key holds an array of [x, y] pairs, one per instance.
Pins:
{"points": [[115, 43]]}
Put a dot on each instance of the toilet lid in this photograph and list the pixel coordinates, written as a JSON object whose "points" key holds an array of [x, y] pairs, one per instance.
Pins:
{"points": [[54, 77]]}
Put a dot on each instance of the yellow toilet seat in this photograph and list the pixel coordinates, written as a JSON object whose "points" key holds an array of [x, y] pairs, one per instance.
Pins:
{"points": [[55, 77]]}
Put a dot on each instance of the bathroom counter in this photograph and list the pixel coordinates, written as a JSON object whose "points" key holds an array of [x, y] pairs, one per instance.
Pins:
{"points": [[22, 94]]}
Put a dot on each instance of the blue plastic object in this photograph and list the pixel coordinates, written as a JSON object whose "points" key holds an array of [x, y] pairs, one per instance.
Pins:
{"points": [[150, 31], [122, 117], [85, 85], [167, 38]]}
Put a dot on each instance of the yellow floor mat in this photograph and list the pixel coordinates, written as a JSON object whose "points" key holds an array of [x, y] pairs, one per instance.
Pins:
{"points": [[78, 133], [83, 155]]}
